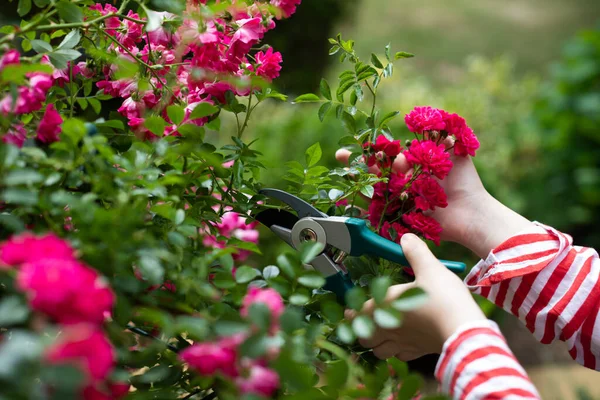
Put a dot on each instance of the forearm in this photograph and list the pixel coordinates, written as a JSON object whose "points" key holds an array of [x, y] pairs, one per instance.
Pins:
{"points": [[476, 363], [550, 285], [491, 224]]}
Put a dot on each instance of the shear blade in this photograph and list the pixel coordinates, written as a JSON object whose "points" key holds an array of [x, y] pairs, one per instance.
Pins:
{"points": [[302, 208], [272, 217]]}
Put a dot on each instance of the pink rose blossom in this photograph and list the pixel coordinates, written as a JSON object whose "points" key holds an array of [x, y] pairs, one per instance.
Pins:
{"points": [[431, 157], [66, 290], [261, 381], [399, 228], [269, 297], [11, 57], [49, 128], [28, 248], [210, 358], [86, 347], [466, 143], [233, 225], [389, 147], [16, 135], [427, 226], [422, 119], [287, 7], [268, 64], [249, 30], [428, 193]]}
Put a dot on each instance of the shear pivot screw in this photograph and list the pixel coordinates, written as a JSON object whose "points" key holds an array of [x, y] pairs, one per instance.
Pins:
{"points": [[308, 235]]}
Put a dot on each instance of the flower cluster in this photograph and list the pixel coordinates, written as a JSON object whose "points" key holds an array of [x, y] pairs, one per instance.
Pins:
{"points": [[28, 99], [400, 203], [232, 225], [69, 292], [189, 60], [222, 357]]}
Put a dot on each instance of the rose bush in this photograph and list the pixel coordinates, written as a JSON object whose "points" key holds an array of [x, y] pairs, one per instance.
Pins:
{"points": [[127, 222]]}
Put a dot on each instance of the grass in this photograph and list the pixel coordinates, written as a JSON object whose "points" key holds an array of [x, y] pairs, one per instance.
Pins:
{"points": [[442, 33]]}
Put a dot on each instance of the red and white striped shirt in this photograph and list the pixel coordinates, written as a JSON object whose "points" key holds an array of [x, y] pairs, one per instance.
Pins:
{"points": [[552, 286]]}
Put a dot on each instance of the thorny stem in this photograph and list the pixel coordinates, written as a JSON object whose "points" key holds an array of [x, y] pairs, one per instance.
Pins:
{"points": [[34, 26], [148, 335]]}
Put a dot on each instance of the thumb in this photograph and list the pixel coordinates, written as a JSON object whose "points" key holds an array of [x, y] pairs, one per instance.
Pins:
{"points": [[420, 258]]}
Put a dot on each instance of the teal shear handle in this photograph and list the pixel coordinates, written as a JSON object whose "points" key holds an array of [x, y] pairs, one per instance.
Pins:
{"points": [[365, 241], [339, 284]]}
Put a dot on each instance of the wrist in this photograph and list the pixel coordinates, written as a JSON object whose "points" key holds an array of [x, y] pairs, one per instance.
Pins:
{"points": [[491, 224]]}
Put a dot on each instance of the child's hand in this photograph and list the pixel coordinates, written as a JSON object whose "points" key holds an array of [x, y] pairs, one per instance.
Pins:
{"points": [[425, 329], [473, 217]]}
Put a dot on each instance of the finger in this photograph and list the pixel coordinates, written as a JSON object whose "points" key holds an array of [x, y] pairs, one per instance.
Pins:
{"points": [[386, 350], [377, 339], [408, 355], [343, 156], [420, 258], [401, 164]]}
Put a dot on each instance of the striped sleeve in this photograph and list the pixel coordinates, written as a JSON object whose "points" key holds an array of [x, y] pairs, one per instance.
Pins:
{"points": [[552, 286], [476, 363]]}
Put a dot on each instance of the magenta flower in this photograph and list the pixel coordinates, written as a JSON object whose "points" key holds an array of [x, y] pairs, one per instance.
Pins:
{"points": [[16, 135], [422, 119], [428, 194], [431, 157], [28, 248], [49, 128], [261, 381], [268, 64], [269, 297], [210, 358], [66, 290], [426, 226], [287, 7]]}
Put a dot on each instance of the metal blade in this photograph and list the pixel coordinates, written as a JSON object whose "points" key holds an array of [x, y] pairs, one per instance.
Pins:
{"points": [[277, 217], [300, 206]]}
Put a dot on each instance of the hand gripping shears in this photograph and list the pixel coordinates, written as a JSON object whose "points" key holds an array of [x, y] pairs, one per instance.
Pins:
{"points": [[340, 237]]}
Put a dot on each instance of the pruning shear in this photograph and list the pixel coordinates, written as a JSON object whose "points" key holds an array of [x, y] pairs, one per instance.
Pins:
{"points": [[340, 237]]}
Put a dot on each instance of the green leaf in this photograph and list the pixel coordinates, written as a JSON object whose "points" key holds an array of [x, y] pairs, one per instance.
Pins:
{"points": [[356, 298], [24, 7], [260, 315], [363, 327], [192, 131], [203, 110], [198, 328], [307, 98], [349, 122], [152, 269], [410, 300], [299, 299], [172, 6], [291, 320], [245, 274], [228, 328], [96, 105], [310, 250], [323, 110], [12, 223], [71, 40], [345, 333], [387, 319], [400, 367], [116, 124], [410, 386], [60, 58], [179, 217], [270, 272], [40, 46], [13, 310], [325, 89], [255, 346], [367, 191], [403, 54], [312, 280], [313, 154], [176, 114], [388, 117], [387, 51], [344, 86], [69, 12], [20, 196], [379, 288], [156, 125], [337, 373], [375, 61], [285, 265], [23, 177]]}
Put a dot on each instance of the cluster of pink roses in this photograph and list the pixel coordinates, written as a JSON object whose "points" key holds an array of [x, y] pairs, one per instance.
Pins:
{"points": [[29, 98], [197, 59], [233, 225], [398, 205], [222, 357], [69, 292]]}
